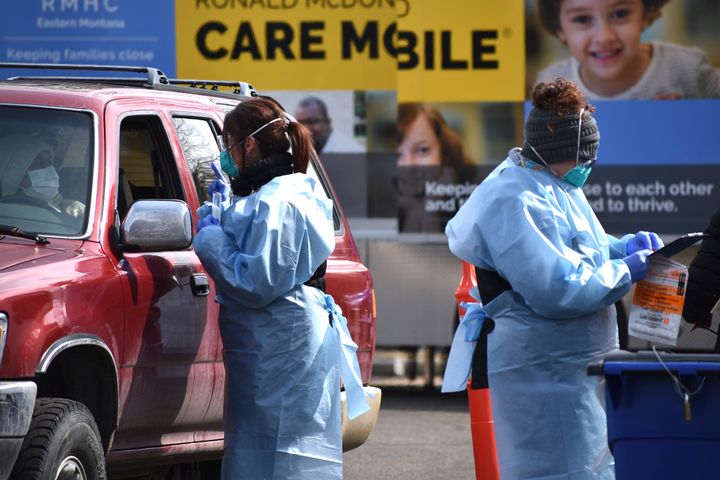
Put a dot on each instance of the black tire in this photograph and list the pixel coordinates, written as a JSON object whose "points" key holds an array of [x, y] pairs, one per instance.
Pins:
{"points": [[63, 443]]}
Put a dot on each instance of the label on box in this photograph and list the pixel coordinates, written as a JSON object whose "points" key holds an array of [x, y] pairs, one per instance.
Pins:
{"points": [[656, 311]]}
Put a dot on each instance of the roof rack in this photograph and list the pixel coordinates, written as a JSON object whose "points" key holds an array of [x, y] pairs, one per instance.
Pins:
{"points": [[240, 88], [154, 77]]}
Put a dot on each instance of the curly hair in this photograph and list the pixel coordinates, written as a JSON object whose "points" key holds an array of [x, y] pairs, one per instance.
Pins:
{"points": [[560, 96], [548, 12]]}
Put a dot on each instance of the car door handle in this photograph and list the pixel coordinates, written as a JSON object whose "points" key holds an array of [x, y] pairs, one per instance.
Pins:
{"points": [[200, 284]]}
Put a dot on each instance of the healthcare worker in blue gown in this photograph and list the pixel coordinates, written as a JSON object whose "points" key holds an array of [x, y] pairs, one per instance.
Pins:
{"points": [[285, 343], [529, 228]]}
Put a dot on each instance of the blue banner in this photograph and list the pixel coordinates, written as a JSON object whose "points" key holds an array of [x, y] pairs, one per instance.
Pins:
{"points": [[89, 32], [657, 132]]}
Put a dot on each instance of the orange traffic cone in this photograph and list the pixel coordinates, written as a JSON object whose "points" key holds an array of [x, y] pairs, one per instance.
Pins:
{"points": [[483, 435], [467, 281], [482, 426]]}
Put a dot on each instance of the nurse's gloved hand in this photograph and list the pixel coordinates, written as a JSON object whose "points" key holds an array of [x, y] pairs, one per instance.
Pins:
{"points": [[637, 264], [206, 221], [644, 240], [220, 187]]}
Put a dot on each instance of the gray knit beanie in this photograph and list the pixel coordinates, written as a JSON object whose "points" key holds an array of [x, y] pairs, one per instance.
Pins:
{"points": [[555, 137]]}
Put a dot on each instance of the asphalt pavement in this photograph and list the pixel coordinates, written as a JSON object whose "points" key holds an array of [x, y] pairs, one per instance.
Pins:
{"points": [[420, 434]]}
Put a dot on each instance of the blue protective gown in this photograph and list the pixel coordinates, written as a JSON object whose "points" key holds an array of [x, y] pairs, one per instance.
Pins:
{"points": [[282, 397], [540, 234]]}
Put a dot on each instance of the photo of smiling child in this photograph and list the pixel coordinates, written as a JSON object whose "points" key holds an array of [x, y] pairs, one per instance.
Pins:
{"points": [[610, 60]]}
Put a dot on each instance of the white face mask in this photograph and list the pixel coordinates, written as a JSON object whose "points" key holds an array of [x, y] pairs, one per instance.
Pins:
{"points": [[44, 183]]}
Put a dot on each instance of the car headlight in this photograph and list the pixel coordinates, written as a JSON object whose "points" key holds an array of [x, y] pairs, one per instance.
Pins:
{"points": [[3, 334]]}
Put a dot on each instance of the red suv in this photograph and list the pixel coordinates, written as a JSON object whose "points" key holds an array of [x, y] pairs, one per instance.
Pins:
{"points": [[110, 354]]}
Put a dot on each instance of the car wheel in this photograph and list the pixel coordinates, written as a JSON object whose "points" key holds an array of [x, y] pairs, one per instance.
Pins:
{"points": [[63, 443]]}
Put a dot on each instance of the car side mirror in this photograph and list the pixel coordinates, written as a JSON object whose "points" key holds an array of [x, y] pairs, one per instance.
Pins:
{"points": [[156, 225]]}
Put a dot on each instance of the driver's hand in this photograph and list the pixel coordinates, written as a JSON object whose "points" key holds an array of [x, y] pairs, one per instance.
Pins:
{"points": [[73, 208]]}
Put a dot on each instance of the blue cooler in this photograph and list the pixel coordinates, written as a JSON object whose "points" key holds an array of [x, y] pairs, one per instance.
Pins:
{"points": [[652, 433]]}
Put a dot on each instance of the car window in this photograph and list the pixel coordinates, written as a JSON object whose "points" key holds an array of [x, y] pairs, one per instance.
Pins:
{"points": [[147, 167], [313, 172], [199, 140], [45, 174]]}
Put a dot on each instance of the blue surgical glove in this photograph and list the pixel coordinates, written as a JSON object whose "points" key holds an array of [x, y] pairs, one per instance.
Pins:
{"points": [[206, 221], [220, 187], [642, 241], [637, 264]]}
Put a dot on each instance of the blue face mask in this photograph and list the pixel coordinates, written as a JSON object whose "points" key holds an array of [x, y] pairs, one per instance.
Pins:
{"points": [[578, 175], [228, 164]]}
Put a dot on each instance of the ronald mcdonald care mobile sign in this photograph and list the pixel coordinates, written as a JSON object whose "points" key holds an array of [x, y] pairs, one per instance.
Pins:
{"points": [[418, 47]]}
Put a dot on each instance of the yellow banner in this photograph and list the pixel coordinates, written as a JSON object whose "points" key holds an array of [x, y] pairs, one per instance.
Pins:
{"points": [[462, 51], [289, 44], [427, 50]]}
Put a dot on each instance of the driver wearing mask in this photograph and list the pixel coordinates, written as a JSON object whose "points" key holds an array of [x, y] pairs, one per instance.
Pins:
{"points": [[30, 171]]}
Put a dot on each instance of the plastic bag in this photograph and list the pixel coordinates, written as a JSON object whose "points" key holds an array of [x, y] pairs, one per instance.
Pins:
{"points": [[657, 305]]}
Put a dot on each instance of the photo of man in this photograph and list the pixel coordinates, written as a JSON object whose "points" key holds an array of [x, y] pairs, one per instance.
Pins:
{"points": [[312, 112]]}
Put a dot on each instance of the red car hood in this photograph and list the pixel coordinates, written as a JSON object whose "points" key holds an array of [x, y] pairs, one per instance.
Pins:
{"points": [[17, 251]]}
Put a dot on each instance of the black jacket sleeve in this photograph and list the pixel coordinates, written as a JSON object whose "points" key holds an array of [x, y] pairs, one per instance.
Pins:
{"points": [[703, 288]]}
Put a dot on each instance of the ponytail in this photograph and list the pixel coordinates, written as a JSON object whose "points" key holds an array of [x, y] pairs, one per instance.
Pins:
{"points": [[301, 146]]}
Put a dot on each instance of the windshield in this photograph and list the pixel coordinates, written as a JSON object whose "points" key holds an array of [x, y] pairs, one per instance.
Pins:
{"points": [[45, 157]]}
